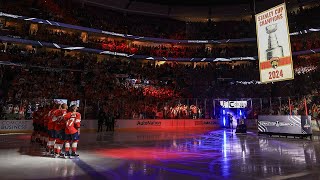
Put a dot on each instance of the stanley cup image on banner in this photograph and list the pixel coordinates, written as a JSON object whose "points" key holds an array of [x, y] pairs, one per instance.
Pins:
{"points": [[274, 49]]}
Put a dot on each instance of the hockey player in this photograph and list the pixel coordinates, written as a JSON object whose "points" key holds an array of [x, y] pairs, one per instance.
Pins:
{"points": [[59, 128], [51, 131], [37, 124], [35, 132], [45, 126], [41, 117], [73, 119]]}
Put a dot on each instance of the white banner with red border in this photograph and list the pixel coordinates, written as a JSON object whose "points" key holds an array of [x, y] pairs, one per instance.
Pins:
{"points": [[274, 49]]}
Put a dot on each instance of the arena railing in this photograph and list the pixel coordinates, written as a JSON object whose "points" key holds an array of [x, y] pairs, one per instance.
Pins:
{"points": [[141, 38], [22, 109], [134, 56]]}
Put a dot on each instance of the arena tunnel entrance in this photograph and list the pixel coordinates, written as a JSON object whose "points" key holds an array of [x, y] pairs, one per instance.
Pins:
{"points": [[230, 112]]}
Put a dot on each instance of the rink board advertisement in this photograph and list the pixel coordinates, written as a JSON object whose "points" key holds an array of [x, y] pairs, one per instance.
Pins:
{"points": [[15, 125], [7, 126], [285, 124], [274, 49], [164, 123]]}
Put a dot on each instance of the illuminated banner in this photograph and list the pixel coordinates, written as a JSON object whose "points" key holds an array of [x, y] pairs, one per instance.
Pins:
{"points": [[234, 104], [285, 124], [274, 49]]}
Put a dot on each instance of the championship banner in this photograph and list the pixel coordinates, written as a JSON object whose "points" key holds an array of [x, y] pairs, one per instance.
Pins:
{"points": [[274, 49]]}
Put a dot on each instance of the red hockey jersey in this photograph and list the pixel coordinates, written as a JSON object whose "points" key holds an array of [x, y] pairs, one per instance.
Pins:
{"points": [[73, 120], [58, 119], [35, 117], [50, 118]]}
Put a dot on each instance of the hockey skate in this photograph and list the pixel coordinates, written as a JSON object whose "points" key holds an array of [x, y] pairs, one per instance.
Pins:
{"points": [[74, 155], [55, 155], [67, 155], [49, 153], [61, 155]]}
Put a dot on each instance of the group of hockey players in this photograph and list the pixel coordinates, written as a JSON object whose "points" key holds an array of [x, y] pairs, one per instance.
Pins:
{"points": [[58, 129]]}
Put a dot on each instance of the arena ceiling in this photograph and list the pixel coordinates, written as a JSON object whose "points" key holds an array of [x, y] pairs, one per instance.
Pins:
{"points": [[198, 2], [191, 10]]}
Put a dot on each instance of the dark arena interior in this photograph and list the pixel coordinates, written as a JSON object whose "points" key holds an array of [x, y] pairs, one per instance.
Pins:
{"points": [[160, 90]]}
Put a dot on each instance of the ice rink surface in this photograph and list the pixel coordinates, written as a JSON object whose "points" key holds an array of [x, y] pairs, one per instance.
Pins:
{"points": [[166, 155]]}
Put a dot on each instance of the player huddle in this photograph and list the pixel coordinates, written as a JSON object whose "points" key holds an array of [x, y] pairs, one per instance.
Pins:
{"points": [[56, 128]]}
